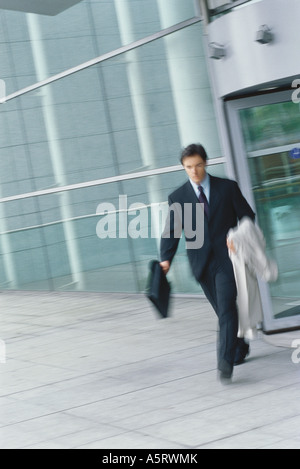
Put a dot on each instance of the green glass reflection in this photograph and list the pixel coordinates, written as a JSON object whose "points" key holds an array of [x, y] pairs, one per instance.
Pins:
{"points": [[269, 133], [270, 126]]}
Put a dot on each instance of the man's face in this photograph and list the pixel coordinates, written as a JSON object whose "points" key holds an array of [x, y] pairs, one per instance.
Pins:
{"points": [[195, 168]]}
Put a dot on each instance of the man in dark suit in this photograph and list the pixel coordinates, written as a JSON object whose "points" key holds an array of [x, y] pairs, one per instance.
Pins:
{"points": [[224, 205]]}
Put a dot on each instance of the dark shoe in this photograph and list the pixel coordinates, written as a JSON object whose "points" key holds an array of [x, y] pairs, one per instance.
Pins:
{"points": [[225, 378], [241, 352], [225, 371]]}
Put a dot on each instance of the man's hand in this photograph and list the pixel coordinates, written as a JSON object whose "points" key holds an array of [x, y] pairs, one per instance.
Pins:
{"points": [[231, 247], [165, 265]]}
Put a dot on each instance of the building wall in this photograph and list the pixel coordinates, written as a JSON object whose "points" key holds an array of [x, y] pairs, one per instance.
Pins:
{"points": [[94, 134], [248, 64]]}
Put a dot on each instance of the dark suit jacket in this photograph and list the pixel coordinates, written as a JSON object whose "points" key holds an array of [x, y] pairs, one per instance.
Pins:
{"points": [[227, 205]]}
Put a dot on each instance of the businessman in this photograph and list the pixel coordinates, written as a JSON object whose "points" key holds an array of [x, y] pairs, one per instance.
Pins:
{"points": [[223, 205]]}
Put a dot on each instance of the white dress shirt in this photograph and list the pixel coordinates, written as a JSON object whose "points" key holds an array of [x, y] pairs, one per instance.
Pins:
{"points": [[206, 187]]}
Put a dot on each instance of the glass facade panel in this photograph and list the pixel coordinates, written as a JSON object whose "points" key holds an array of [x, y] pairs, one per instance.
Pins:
{"points": [[87, 30], [130, 114], [94, 239], [125, 115]]}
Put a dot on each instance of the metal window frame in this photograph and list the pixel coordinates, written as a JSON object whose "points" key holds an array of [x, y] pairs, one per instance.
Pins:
{"points": [[225, 8], [109, 180]]}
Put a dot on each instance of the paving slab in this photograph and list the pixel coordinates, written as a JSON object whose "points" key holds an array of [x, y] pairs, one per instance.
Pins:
{"points": [[102, 371]]}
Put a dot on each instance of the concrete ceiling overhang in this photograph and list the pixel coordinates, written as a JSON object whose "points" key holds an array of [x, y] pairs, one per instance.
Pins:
{"points": [[41, 7]]}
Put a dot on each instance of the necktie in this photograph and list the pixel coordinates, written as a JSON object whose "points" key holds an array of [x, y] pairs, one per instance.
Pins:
{"points": [[203, 200]]}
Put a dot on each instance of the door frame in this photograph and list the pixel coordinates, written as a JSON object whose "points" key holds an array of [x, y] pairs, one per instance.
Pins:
{"points": [[239, 155]]}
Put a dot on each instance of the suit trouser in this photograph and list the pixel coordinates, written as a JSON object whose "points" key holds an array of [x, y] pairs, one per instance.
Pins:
{"points": [[218, 284]]}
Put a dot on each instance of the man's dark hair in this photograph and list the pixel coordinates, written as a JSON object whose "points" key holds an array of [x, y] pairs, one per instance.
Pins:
{"points": [[193, 149]]}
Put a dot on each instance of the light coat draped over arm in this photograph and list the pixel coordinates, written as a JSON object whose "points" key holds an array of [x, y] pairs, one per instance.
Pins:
{"points": [[250, 261]]}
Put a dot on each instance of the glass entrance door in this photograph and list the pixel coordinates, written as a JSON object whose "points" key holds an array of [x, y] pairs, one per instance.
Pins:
{"points": [[265, 132]]}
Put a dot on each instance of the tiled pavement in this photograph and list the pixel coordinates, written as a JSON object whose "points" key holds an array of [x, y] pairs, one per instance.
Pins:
{"points": [[102, 371]]}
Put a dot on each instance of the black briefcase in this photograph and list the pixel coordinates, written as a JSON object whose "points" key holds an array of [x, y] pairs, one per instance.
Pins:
{"points": [[158, 289]]}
